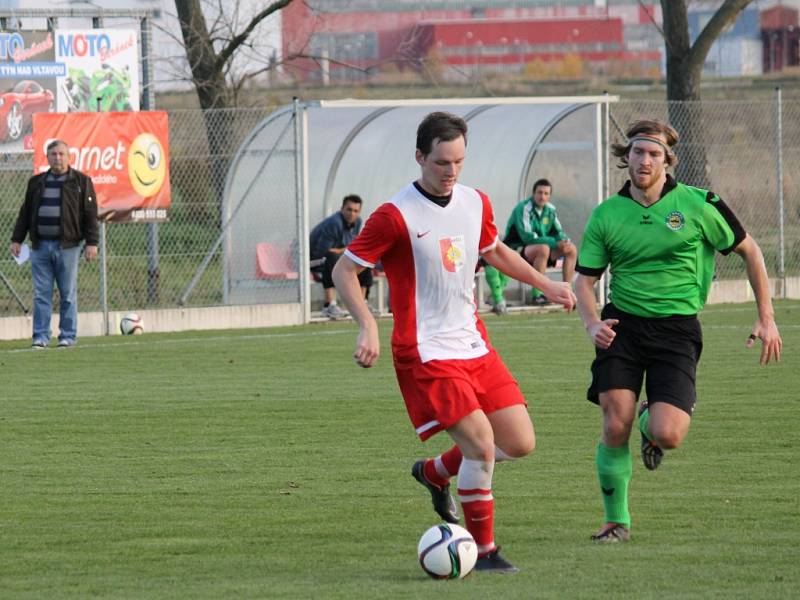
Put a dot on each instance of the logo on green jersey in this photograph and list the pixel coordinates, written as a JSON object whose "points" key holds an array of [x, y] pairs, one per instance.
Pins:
{"points": [[675, 220]]}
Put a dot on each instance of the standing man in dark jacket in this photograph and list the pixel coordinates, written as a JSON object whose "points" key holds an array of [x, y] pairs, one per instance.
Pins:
{"points": [[60, 211]]}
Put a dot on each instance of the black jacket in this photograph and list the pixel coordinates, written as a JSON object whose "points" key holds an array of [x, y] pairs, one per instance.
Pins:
{"points": [[78, 211]]}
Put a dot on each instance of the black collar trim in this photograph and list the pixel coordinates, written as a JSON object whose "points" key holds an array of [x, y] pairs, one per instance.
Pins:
{"points": [[669, 185], [439, 200]]}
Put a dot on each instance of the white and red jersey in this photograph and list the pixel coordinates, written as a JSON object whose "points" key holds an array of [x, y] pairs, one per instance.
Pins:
{"points": [[429, 253]]}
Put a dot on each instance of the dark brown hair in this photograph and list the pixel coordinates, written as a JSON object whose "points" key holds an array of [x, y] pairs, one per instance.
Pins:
{"points": [[443, 126], [647, 127], [351, 198], [542, 183]]}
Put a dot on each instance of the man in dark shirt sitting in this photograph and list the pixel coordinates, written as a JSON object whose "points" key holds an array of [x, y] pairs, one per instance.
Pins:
{"points": [[328, 241]]}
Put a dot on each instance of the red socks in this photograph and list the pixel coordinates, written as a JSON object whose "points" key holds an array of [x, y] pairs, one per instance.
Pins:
{"points": [[439, 470], [477, 502], [474, 492]]}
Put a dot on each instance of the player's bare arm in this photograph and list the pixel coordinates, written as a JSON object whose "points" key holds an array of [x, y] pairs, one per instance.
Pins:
{"points": [[512, 264], [601, 332], [345, 278], [764, 328]]}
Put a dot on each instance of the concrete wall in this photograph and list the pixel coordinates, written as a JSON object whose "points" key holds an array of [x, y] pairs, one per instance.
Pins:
{"points": [[173, 319], [280, 315]]}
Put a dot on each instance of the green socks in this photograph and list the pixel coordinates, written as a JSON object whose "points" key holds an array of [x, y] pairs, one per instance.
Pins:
{"points": [[614, 474], [644, 419], [497, 282]]}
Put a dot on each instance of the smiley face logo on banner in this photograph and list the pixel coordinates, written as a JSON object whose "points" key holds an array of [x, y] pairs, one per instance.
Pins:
{"points": [[146, 165]]}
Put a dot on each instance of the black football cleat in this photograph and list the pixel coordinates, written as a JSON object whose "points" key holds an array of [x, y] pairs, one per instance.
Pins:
{"points": [[612, 533], [494, 563], [651, 453], [443, 502]]}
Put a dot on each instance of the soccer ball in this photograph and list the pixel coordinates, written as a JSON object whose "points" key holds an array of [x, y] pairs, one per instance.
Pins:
{"points": [[447, 551], [131, 324]]}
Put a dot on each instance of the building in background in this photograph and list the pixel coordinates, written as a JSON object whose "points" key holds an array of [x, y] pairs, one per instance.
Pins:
{"points": [[737, 51], [780, 36], [342, 41], [577, 46]]}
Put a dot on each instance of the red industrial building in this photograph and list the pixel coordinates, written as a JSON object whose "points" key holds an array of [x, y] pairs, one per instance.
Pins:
{"points": [[351, 42], [507, 44], [780, 36]]}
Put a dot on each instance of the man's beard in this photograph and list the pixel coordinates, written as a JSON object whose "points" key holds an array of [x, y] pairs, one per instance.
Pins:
{"points": [[646, 184]]}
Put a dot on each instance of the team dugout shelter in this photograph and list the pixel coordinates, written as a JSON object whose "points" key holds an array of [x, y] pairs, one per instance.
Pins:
{"points": [[298, 163]]}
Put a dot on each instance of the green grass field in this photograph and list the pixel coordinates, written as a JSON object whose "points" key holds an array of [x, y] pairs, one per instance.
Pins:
{"points": [[265, 464]]}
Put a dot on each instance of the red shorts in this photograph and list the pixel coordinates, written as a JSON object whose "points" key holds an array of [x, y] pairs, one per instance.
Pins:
{"points": [[439, 393]]}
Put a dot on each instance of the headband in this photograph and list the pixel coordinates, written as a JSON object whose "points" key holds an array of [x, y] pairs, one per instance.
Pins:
{"points": [[648, 138]]}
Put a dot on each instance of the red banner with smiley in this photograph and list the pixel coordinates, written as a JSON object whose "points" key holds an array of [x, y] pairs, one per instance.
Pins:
{"points": [[125, 153]]}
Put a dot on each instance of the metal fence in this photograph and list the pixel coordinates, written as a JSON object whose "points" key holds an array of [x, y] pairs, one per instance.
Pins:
{"points": [[148, 265], [740, 150]]}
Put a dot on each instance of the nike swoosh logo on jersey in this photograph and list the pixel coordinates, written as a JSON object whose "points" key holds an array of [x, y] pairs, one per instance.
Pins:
{"points": [[423, 234]]}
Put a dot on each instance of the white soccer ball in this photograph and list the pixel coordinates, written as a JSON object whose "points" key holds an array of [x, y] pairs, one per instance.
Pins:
{"points": [[447, 551], [131, 324]]}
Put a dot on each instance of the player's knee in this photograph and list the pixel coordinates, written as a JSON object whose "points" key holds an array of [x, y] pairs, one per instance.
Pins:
{"points": [[535, 251], [667, 439], [616, 431], [520, 447], [482, 450], [524, 447]]}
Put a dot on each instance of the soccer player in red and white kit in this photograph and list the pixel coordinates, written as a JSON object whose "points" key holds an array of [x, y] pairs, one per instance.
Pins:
{"points": [[429, 237]]}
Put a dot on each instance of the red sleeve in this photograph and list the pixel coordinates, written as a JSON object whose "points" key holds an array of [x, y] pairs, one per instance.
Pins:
{"points": [[488, 228], [381, 231]]}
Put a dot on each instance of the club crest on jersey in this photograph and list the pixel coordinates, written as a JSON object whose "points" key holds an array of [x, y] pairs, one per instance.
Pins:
{"points": [[453, 251], [675, 220]]}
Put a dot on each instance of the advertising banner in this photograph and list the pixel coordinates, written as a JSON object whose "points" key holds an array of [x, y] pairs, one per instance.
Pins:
{"points": [[28, 73], [125, 154], [102, 72]]}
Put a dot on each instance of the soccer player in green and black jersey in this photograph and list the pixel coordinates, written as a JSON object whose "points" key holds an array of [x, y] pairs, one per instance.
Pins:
{"points": [[658, 237]]}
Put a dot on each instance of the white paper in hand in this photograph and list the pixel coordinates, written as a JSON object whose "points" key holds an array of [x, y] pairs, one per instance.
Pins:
{"points": [[24, 254]]}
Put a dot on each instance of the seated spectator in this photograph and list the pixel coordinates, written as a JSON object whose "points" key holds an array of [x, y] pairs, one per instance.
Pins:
{"points": [[328, 241], [534, 230]]}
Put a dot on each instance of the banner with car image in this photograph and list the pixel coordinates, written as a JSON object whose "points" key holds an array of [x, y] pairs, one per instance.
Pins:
{"points": [[125, 153], [102, 72], [28, 83]]}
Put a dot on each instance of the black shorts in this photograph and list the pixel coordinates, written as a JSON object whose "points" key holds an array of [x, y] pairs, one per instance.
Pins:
{"points": [[666, 349], [325, 272]]}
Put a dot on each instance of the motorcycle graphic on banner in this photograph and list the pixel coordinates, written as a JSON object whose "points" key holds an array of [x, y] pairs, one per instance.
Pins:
{"points": [[102, 70]]}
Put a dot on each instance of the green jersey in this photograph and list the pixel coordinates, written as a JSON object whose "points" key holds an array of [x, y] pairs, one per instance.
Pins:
{"points": [[529, 225], [661, 256]]}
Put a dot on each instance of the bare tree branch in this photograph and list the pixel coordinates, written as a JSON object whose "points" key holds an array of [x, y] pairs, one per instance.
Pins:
{"points": [[724, 16], [239, 39], [653, 22]]}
